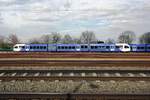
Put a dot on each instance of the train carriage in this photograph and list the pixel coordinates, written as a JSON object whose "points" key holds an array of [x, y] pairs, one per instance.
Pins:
{"points": [[138, 47], [120, 47], [68, 47], [38, 47], [100, 47]]}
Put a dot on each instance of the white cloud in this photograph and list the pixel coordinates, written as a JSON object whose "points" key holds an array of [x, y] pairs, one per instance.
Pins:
{"points": [[74, 16]]}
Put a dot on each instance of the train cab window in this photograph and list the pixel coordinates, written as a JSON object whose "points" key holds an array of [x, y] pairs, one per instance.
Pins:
{"points": [[126, 47], [16, 47]]}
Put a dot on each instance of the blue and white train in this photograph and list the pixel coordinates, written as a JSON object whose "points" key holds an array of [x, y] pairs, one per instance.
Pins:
{"points": [[119, 47]]}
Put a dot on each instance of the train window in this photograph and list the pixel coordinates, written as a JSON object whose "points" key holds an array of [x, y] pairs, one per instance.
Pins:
{"points": [[148, 47], [96, 47], [82, 46], [117, 47], [37, 47], [103, 46], [73, 47], [34, 47], [44, 47], [86, 46], [69, 47], [142, 47], [107, 47], [31, 47], [23, 47], [41, 47], [66, 47], [92, 47], [126, 47], [59, 47], [112, 46], [62, 47]]}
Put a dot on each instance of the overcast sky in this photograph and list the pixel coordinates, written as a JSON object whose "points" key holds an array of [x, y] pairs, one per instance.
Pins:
{"points": [[107, 18]]}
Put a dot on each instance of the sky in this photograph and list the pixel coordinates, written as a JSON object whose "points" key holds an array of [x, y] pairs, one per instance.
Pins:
{"points": [[107, 18]]}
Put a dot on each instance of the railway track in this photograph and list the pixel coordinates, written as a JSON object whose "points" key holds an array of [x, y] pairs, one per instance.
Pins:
{"points": [[76, 62], [75, 75], [72, 96]]}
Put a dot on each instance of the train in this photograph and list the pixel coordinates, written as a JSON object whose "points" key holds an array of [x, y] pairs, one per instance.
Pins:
{"points": [[117, 47]]}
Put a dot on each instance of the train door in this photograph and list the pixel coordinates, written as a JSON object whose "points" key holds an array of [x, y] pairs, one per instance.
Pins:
{"points": [[77, 48], [27, 48]]}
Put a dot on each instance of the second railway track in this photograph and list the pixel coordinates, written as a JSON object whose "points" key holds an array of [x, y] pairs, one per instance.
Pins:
{"points": [[75, 75]]}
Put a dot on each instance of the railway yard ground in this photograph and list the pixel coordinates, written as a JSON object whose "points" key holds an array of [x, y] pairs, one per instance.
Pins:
{"points": [[74, 76]]}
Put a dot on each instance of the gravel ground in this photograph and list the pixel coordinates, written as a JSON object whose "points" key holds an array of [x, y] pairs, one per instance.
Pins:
{"points": [[76, 86]]}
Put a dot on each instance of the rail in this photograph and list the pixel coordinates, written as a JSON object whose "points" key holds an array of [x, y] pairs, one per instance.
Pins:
{"points": [[72, 96]]}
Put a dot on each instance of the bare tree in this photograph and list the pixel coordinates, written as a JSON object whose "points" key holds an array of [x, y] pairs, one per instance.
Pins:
{"points": [[1, 41], [110, 41], [45, 38], [13, 39], [34, 41], [126, 37], [145, 38], [87, 37], [67, 39], [76, 41], [55, 37]]}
